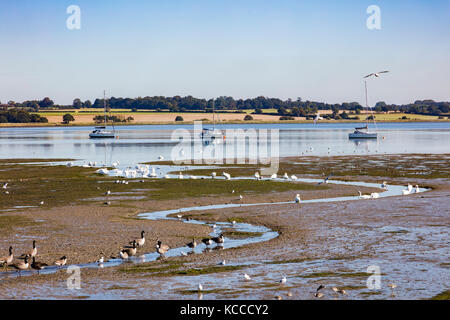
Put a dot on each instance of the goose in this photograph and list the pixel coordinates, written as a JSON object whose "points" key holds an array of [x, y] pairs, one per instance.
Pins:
{"points": [[192, 244], [417, 188], [162, 248], [226, 175], [131, 251], [213, 175], [7, 259], [273, 176], [322, 287], [384, 185], [61, 262], [283, 280], [363, 196], [374, 195], [219, 239], [207, 241], [247, 277], [22, 265], [297, 198], [31, 253], [123, 255], [139, 242], [38, 265]]}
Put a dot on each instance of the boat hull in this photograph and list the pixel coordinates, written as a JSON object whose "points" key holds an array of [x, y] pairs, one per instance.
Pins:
{"points": [[361, 135], [101, 136]]}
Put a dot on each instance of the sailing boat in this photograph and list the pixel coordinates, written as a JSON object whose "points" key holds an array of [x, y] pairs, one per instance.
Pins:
{"points": [[363, 132], [102, 131], [212, 134]]}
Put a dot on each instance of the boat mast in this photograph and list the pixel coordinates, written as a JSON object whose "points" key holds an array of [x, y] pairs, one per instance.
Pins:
{"points": [[214, 118], [104, 104], [367, 105]]}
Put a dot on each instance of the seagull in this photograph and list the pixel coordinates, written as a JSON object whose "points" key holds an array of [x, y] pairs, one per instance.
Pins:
{"points": [[213, 175], [200, 287], [226, 175], [294, 177], [240, 197], [285, 176], [257, 175], [5, 185], [273, 176], [377, 75], [297, 198], [247, 277], [283, 280], [363, 196], [317, 118]]}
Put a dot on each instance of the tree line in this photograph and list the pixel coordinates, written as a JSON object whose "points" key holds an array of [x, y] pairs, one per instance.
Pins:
{"points": [[287, 107]]}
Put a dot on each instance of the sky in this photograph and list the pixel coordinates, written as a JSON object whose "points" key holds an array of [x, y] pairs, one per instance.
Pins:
{"points": [[316, 50]]}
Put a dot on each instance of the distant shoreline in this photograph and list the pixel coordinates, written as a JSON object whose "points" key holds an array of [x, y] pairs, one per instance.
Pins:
{"points": [[92, 124]]}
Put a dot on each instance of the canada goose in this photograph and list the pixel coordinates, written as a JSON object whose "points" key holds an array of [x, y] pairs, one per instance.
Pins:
{"points": [[247, 277], [363, 196], [207, 241], [123, 254], [38, 265], [31, 253], [192, 244], [61, 262], [131, 251], [22, 265], [321, 287], [297, 198], [318, 294], [140, 242], [162, 248], [7, 259], [219, 239]]}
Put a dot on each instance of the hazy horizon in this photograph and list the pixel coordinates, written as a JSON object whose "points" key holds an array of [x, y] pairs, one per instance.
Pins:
{"points": [[243, 49]]}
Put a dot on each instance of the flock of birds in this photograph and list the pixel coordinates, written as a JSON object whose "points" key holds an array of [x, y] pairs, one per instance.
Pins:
{"points": [[24, 264]]}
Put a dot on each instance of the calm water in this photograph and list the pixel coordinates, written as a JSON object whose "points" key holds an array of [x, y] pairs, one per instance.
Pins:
{"points": [[147, 142]]}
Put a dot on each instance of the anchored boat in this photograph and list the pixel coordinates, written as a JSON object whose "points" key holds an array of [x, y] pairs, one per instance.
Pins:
{"points": [[102, 131]]}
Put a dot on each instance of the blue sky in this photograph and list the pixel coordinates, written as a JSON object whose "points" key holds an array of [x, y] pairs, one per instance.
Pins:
{"points": [[317, 50]]}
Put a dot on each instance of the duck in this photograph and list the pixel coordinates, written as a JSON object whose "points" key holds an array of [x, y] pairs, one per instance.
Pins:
{"points": [[7, 259], [141, 241], [297, 198], [61, 262], [32, 253], [207, 241], [219, 239], [22, 265], [162, 248], [363, 196], [192, 244], [38, 265]]}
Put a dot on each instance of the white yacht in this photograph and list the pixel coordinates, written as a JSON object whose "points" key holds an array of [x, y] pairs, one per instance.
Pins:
{"points": [[102, 131], [212, 134]]}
